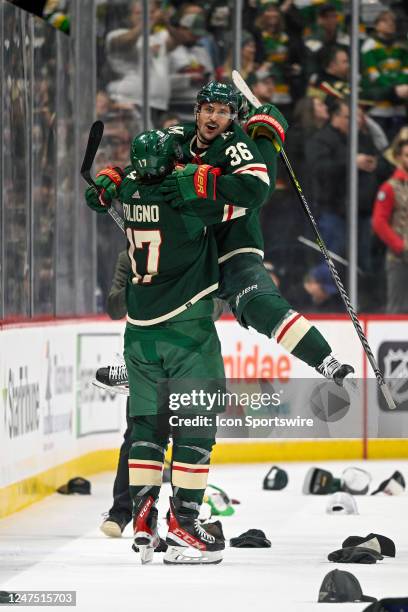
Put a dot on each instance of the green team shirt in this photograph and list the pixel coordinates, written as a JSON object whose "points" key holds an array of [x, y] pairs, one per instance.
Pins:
{"points": [[244, 185], [384, 65], [173, 254]]}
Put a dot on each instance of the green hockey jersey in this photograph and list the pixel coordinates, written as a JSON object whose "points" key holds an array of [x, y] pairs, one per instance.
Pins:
{"points": [[173, 255], [244, 185]]}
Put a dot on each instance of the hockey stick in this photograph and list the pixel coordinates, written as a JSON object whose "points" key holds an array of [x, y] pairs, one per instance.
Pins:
{"points": [[94, 140], [244, 89]]}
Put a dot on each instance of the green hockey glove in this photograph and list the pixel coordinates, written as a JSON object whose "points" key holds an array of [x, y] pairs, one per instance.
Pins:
{"points": [[190, 183], [268, 121], [109, 180]]}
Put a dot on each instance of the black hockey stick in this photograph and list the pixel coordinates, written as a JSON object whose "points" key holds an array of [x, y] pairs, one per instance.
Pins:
{"points": [[94, 140], [244, 89]]}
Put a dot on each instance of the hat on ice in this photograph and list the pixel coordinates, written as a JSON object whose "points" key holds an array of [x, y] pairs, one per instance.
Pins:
{"points": [[276, 479], [76, 485], [218, 500], [253, 538], [395, 485], [320, 482], [355, 554], [341, 503], [390, 604], [339, 586], [375, 541], [355, 481]]}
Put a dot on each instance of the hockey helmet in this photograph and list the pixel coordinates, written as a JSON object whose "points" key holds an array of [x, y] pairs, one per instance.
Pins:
{"points": [[224, 93], [153, 154]]}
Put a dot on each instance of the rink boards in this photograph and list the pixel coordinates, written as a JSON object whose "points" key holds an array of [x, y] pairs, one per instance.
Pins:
{"points": [[55, 425]]}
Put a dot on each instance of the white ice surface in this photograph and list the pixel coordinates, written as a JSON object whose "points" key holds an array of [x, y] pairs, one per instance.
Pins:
{"points": [[56, 545]]}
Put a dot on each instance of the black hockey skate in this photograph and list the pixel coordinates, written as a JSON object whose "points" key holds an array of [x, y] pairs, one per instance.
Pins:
{"points": [[188, 542], [146, 536], [113, 377], [334, 370]]}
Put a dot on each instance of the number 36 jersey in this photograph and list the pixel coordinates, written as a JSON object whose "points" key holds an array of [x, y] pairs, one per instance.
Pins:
{"points": [[245, 183], [173, 254]]}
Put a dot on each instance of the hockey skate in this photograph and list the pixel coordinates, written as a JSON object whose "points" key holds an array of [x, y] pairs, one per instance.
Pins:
{"points": [[113, 378], [146, 536], [188, 542]]}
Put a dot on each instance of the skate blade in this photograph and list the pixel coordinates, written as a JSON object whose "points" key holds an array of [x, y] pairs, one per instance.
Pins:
{"points": [[121, 389], [111, 529], [185, 555], [146, 553]]}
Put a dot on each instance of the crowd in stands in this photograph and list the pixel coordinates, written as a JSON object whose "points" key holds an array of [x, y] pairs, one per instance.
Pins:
{"points": [[295, 54]]}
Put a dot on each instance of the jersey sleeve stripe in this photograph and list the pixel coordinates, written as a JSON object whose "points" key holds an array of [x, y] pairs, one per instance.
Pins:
{"points": [[257, 171], [251, 167]]}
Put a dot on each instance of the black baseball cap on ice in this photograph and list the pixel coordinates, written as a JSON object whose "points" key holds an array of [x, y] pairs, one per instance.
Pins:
{"points": [[382, 544], [339, 586], [76, 485], [390, 604]]}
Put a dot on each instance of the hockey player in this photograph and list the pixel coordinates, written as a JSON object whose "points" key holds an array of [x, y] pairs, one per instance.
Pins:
{"points": [[217, 140], [169, 335]]}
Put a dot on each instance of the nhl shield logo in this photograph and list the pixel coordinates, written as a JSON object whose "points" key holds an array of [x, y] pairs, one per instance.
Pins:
{"points": [[393, 362]]}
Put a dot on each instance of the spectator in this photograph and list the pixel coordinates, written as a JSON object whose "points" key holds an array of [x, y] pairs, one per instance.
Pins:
{"points": [[208, 40], [367, 161], [389, 154], [248, 52], [384, 66], [333, 74], [327, 33], [190, 65], [309, 12], [284, 53], [220, 25], [262, 83], [124, 51], [310, 115], [390, 223], [322, 290], [327, 155]]}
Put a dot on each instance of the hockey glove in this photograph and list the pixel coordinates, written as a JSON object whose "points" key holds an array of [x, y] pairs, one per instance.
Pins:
{"points": [[109, 180], [191, 183], [268, 121]]}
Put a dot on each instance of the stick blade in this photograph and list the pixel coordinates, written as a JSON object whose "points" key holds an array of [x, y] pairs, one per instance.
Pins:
{"points": [[241, 85], [94, 139]]}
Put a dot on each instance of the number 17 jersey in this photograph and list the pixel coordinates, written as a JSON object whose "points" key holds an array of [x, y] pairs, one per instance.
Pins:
{"points": [[173, 254]]}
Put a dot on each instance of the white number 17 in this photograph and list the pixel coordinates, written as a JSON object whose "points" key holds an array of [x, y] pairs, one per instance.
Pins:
{"points": [[137, 240]]}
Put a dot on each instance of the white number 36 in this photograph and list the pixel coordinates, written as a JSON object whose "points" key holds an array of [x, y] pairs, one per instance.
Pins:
{"points": [[238, 153]]}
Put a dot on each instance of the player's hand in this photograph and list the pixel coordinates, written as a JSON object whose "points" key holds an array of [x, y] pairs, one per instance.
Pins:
{"points": [[108, 180], [268, 121], [190, 183]]}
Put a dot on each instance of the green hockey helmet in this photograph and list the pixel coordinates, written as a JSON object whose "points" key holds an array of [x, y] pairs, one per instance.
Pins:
{"points": [[153, 154], [224, 93]]}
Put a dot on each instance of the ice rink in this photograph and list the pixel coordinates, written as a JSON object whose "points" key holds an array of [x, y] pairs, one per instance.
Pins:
{"points": [[56, 545]]}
